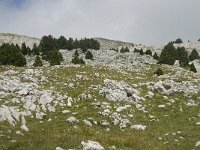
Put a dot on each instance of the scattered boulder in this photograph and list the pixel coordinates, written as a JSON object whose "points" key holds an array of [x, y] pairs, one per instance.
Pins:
{"points": [[72, 120], [138, 127], [91, 145]]}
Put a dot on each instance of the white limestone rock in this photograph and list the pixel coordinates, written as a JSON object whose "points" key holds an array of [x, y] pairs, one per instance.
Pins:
{"points": [[87, 123], [23, 126], [91, 145], [119, 91], [138, 127], [72, 120]]}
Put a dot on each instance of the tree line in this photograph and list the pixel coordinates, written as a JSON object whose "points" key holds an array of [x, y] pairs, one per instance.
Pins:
{"points": [[48, 48]]}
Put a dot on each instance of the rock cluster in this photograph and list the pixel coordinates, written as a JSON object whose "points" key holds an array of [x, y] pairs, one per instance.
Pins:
{"points": [[119, 91]]}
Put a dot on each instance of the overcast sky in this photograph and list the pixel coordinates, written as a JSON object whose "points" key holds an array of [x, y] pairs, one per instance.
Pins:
{"points": [[139, 21]]}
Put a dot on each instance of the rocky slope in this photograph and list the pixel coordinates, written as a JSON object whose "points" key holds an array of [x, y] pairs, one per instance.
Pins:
{"points": [[114, 99], [18, 39], [106, 44]]}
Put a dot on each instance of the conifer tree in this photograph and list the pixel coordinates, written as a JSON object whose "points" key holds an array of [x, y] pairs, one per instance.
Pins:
{"points": [[24, 49], [54, 57], [194, 55], [148, 52], [182, 56], [168, 54], [76, 59], [89, 55], [11, 55], [155, 56], [35, 50], [38, 62]]}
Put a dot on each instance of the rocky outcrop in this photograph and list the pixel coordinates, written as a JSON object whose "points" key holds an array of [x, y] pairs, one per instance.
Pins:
{"points": [[170, 87], [119, 91]]}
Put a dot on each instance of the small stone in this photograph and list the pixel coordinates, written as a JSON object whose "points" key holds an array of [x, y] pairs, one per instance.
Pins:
{"points": [[87, 123], [72, 120], [138, 127]]}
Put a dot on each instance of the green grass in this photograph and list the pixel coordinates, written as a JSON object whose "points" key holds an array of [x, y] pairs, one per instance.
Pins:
{"points": [[47, 135]]}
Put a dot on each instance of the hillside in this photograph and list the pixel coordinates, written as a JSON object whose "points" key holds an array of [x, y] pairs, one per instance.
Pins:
{"points": [[114, 100], [18, 39]]}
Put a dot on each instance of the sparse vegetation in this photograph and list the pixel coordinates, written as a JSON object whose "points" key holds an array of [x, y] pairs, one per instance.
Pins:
{"points": [[124, 50], [76, 59], [158, 72], [165, 108]]}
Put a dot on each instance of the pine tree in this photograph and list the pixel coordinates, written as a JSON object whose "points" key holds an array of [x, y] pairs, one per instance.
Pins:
{"points": [[24, 49], [168, 54], [11, 55], [192, 68], [194, 55], [62, 42], [54, 57], [35, 50], [141, 52], [29, 52], [155, 56], [70, 44], [148, 52], [47, 43], [89, 55], [182, 56], [38, 62]]}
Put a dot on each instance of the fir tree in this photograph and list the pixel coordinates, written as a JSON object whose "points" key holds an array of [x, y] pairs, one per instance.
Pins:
{"points": [[29, 52], [155, 56], [148, 52], [168, 54], [35, 50], [47, 44], [182, 56], [38, 62], [54, 57], [194, 55], [11, 55], [62, 42], [24, 49], [141, 52], [89, 55]]}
